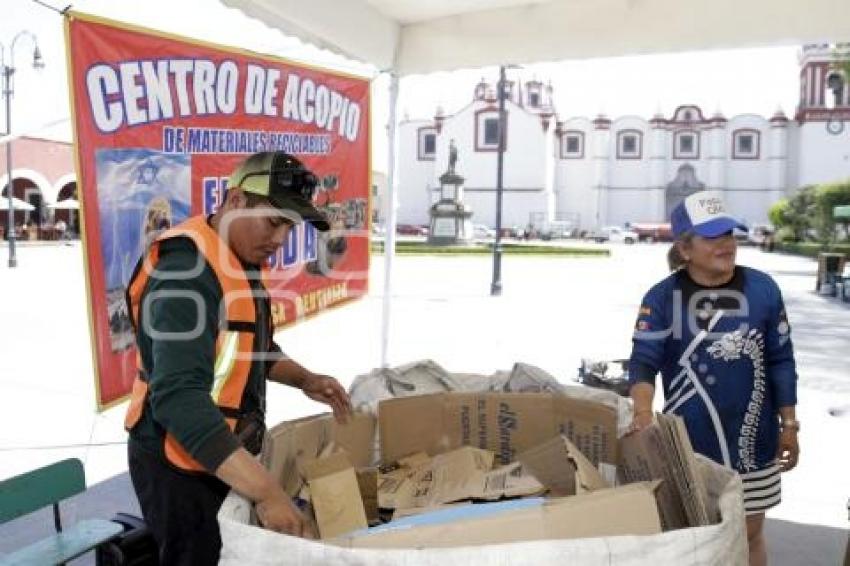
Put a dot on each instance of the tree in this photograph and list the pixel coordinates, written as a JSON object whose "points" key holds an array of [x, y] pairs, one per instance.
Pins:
{"points": [[827, 197], [800, 216]]}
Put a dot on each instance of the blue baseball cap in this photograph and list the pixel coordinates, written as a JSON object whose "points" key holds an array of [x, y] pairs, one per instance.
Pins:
{"points": [[704, 214]]}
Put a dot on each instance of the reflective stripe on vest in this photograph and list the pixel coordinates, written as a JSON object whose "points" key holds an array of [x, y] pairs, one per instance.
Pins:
{"points": [[234, 348], [224, 361]]}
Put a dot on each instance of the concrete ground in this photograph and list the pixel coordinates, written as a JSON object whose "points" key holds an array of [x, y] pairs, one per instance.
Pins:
{"points": [[553, 312]]}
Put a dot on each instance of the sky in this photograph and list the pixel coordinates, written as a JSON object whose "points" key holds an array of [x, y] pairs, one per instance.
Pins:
{"points": [[733, 82]]}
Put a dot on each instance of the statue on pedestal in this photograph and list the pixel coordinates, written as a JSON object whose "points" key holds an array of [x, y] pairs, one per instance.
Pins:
{"points": [[450, 217]]}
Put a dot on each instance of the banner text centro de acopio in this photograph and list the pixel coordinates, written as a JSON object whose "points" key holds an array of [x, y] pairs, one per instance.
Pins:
{"points": [[133, 93]]}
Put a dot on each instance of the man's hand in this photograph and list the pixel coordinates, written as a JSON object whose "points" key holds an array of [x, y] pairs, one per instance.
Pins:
{"points": [[246, 475], [278, 514], [789, 449], [326, 389]]}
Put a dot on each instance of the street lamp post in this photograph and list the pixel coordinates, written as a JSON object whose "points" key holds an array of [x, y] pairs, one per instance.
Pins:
{"points": [[496, 284], [8, 71]]}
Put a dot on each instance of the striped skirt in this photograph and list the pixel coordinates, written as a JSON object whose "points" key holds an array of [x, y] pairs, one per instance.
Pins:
{"points": [[762, 489]]}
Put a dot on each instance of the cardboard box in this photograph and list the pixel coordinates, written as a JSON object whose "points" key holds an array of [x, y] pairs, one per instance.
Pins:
{"points": [[505, 423], [561, 467], [663, 451], [335, 495], [601, 513], [290, 444]]}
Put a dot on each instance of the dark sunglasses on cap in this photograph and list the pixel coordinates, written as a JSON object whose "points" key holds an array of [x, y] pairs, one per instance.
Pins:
{"points": [[288, 181]]}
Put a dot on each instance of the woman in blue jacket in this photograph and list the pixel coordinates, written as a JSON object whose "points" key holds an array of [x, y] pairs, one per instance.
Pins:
{"points": [[718, 334]]}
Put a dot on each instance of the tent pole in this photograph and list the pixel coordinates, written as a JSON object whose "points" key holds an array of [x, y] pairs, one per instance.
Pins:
{"points": [[389, 236]]}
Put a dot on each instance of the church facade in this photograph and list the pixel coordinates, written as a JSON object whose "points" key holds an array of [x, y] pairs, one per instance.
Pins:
{"points": [[595, 172]]}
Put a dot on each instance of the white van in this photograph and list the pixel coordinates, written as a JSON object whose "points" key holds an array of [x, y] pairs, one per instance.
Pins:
{"points": [[618, 235]]}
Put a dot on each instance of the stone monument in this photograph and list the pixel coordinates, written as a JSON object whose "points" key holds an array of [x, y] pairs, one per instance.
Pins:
{"points": [[451, 218]]}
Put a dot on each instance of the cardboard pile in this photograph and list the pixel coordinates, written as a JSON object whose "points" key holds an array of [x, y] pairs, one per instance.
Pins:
{"points": [[441, 452], [419, 474]]}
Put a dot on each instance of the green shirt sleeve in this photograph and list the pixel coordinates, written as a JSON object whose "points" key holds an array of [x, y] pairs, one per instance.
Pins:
{"points": [[179, 322]]}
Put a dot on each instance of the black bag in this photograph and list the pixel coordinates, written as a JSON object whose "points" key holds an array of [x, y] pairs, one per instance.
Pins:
{"points": [[133, 547]]}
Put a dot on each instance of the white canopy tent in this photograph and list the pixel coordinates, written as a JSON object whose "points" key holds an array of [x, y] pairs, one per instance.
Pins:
{"points": [[404, 37], [415, 36]]}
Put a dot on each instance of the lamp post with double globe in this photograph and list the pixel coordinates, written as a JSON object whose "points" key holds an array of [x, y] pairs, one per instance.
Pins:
{"points": [[8, 71]]}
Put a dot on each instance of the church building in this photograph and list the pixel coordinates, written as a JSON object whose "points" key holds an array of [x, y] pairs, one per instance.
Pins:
{"points": [[595, 172]]}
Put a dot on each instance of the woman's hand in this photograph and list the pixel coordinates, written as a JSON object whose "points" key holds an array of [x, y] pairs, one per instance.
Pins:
{"points": [[641, 394], [789, 449], [640, 421]]}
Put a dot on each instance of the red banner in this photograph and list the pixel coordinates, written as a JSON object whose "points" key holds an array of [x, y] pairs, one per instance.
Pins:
{"points": [[161, 121]]}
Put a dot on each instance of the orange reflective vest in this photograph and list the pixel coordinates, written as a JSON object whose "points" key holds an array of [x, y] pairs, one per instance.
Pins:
{"points": [[235, 340]]}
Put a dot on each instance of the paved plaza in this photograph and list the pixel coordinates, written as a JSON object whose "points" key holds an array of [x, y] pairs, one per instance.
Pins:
{"points": [[553, 312]]}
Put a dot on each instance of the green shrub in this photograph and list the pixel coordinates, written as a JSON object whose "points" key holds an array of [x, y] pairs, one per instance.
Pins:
{"points": [[780, 214], [811, 249]]}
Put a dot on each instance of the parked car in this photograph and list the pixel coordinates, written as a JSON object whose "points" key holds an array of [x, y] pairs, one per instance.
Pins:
{"points": [[650, 232], [615, 234], [758, 233], [411, 230], [557, 230], [483, 231], [513, 232]]}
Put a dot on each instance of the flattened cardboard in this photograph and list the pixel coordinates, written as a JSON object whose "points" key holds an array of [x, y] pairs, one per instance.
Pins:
{"points": [[663, 451], [367, 482], [464, 473], [505, 423], [287, 445], [396, 487], [596, 514], [395, 490], [335, 495], [513, 480], [561, 467], [689, 479], [453, 476], [643, 457]]}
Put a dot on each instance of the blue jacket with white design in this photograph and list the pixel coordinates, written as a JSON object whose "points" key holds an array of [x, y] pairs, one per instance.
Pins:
{"points": [[726, 361]]}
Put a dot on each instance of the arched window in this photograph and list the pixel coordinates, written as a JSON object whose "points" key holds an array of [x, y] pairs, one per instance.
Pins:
{"points": [[629, 144], [426, 143], [686, 145], [746, 144], [487, 130], [836, 85], [572, 144]]}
